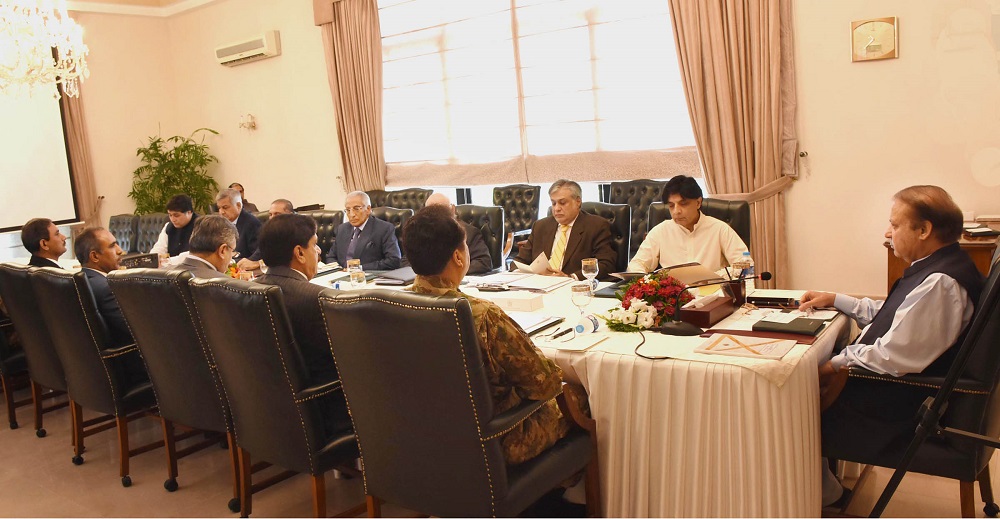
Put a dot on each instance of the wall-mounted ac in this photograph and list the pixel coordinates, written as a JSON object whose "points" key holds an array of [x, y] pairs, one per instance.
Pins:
{"points": [[264, 46]]}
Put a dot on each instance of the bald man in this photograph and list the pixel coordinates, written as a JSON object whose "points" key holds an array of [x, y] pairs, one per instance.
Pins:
{"points": [[479, 254]]}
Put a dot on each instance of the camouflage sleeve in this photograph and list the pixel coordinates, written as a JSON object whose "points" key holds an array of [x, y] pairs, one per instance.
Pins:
{"points": [[533, 375]]}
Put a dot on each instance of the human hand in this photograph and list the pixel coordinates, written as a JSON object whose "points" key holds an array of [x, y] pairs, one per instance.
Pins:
{"points": [[247, 264], [811, 300], [550, 272], [831, 383]]}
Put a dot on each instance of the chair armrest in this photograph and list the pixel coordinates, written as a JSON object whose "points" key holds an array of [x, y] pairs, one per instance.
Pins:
{"points": [[502, 423], [111, 353], [573, 404], [319, 391], [964, 385]]}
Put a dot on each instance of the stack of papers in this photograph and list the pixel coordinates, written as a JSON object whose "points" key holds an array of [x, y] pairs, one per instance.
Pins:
{"points": [[539, 266], [532, 322], [740, 346], [537, 283]]}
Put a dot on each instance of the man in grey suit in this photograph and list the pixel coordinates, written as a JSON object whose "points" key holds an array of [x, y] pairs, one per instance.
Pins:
{"points": [[212, 243], [365, 238]]}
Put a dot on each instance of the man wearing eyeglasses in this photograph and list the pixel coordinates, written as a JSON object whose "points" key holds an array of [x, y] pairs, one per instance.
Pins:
{"points": [[230, 204], [370, 240]]}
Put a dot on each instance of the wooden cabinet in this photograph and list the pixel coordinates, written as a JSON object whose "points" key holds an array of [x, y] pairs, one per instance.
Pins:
{"points": [[979, 249]]}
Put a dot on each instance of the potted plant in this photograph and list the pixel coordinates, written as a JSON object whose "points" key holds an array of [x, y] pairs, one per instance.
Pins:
{"points": [[172, 166]]}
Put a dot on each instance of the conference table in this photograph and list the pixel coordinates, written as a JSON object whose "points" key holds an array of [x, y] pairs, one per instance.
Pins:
{"points": [[695, 434]]}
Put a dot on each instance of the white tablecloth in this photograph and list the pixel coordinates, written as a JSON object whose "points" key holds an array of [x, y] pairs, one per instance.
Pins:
{"points": [[691, 438]]}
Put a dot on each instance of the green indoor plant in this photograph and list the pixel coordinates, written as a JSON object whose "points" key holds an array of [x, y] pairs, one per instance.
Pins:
{"points": [[172, 166]]}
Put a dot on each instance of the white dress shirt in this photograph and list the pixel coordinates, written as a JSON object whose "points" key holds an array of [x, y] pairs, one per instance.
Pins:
{"points": [[161, 241], [926, 324], [712, 243]]}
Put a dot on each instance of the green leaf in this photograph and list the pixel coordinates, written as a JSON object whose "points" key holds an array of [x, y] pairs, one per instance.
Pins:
{"points": [[172, 166]]}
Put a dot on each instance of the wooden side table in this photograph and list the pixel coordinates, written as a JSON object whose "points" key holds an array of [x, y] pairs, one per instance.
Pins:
{"points": [[979, 249]]}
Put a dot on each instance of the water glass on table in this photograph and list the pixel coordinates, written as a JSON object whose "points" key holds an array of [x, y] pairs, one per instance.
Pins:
{"points": [[582, 294], [590, 269]]}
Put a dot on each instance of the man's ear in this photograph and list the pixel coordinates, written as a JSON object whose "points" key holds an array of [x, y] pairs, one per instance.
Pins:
{"points": [[457, 258], [92, 257], [43, 244], [926, 230]]}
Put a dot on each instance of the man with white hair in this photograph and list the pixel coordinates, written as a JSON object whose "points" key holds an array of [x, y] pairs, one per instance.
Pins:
{"points": [[479, 254], [230, 205], [370, 240]]}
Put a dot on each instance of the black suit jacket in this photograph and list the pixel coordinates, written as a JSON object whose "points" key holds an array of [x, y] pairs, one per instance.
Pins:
{"points": [[38, 261], [480, 260], [377, 247], [302, 302], [589, 238], [249, 228], [107, 306]]}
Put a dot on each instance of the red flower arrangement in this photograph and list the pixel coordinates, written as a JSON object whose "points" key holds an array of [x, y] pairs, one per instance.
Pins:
{"points": [[647, 302]]}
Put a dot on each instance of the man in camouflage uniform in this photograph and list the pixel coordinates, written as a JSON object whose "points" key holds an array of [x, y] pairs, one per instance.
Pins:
{"points": [[436, 247]]}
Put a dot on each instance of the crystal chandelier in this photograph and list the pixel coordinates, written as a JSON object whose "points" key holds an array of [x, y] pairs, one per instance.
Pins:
{"points": [[40, 46]]}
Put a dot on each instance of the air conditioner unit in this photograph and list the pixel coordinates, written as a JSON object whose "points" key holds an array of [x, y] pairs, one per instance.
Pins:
{"points": [[261, 47]]}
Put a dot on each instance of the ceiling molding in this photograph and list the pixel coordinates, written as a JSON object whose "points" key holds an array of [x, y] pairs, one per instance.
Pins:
{"points": [[135, 10]]}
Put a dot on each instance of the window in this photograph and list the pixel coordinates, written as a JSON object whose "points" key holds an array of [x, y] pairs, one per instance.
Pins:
{"points": [[501, 91]]}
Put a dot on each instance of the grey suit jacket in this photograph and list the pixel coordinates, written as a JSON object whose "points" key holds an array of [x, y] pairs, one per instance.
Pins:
{"points": [[198, 269], [377, 247]]}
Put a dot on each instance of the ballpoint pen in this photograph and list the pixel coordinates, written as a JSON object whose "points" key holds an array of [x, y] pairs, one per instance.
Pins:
{"points": [[560, 334]]}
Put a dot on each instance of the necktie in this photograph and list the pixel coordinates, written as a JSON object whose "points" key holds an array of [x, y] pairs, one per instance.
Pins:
{"points": [[354, 243], [556, 260]]}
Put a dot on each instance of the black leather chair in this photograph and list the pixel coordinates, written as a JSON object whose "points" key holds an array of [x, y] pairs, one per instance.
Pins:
{"points": [[378, 197], [736, 214], [125, 227], [520, 205], [438, 451], [638, 194], [310, 207], [180, 367], [277, 417], [413, 198], [326, 227], [148, 230], [263, 216], [397, 217], [620, 217], [489, 220], [44, 367], [110, 381], [12, 367]]}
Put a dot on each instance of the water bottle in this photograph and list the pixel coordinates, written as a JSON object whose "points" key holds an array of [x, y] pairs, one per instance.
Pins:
{"points": [[587, 324], [748, 272]]}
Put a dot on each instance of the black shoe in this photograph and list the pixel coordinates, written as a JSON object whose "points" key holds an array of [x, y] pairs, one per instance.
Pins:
{"points": [[842, 501]]}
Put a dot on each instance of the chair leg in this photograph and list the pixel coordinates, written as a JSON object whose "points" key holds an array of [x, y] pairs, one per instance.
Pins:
{"points": [[374, 506], [234, 461], [246, 483], [8, 395], [592, 486], [986, 492], [968, 498], [170, 446], [76, 415], [319, 495], [122, 423], [37, 402]]}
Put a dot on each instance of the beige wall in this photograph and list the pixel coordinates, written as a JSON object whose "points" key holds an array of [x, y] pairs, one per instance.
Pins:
{"points": [[929, 117]]}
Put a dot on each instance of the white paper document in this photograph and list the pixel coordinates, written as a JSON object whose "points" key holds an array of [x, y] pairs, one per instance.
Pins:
{"points": [[539, 266], [740, 346], [531, 322], [500, 278], [539, 283], [578, 343], [780, 317]]}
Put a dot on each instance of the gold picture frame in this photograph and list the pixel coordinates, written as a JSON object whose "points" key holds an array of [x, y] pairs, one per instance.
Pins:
{"points": [[875, 39]]}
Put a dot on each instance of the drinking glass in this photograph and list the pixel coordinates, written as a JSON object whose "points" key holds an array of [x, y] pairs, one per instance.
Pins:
{"points": [[353, 264], [246, 275], [582, 294], [358, 278], [590, 269], [164, 258]]}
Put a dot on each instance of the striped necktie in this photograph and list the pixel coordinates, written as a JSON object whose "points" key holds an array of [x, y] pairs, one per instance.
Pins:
{"points": [[559, 249]]}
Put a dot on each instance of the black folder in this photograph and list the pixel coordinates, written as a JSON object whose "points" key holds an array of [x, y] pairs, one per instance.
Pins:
{"points": [[799, 325]]}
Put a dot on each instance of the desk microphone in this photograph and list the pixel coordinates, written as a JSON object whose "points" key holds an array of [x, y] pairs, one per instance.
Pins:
{"points": [[763, 276]]}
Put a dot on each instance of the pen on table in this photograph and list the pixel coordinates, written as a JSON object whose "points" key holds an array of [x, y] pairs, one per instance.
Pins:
{"points": [[560, 334]]}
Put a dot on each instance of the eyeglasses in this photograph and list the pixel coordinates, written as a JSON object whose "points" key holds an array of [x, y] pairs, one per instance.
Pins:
{"points": [[355, 209]]}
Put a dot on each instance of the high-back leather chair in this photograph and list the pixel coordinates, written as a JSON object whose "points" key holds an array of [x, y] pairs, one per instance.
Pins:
{"points": [[638, 194], [413, 198], [326, 227], [125, 227], [489, 220], [148, 230], [735, 214], [179, 364], [12, 366], [438, 451], [262, 216], [378, 197], [620, 217], [397, 217], [44, 367], [277, 417], [108, 380], [310, 207], [520, 205]]}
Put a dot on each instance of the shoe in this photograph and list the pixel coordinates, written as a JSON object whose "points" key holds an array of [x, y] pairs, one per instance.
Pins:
{"points": [[841, 502]]}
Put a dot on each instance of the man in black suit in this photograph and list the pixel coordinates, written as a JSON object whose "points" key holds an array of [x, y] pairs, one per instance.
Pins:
{"points": [[279, 206], [98, 252], [369, 239], [44, 241], [569, 235], [479, 254], [288, 247], [230, 205]]}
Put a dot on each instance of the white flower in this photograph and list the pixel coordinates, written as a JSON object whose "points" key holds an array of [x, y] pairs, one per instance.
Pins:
{"points": [[645, 320], [628, 317]]}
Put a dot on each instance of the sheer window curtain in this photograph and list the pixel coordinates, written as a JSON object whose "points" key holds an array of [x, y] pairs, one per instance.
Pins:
{"points": [[353, 52], [737, 66], [88, 203]]}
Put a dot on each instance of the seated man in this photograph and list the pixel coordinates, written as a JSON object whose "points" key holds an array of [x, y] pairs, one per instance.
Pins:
{"points": [[361, 237], [173, 239], [569, 235], [230, 205], [689, 236], [248, 205], [516, 369], [279, 206], [213, 241], [917, 329], [478, 253], [288, 246], [44, 241], [98, 252]]}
